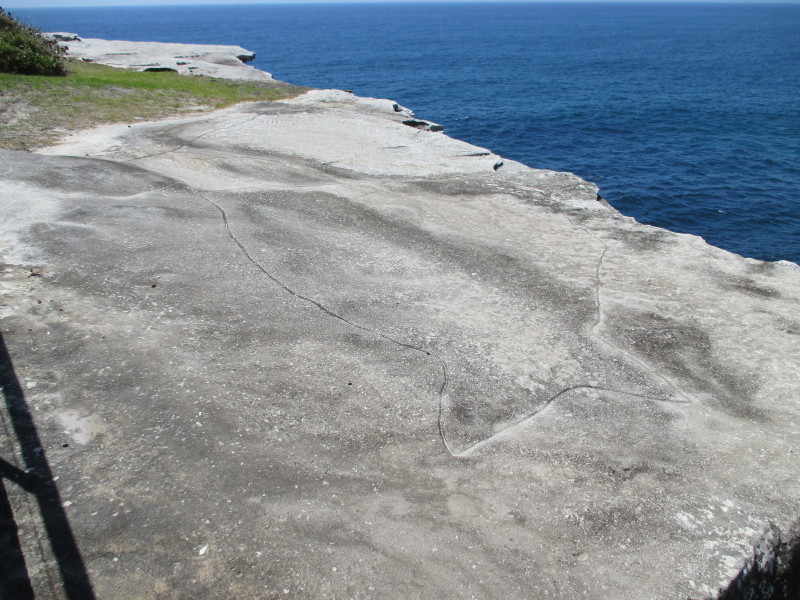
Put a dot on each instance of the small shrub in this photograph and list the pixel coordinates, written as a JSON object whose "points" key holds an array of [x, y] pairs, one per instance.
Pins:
{"points": [[24, 51]]}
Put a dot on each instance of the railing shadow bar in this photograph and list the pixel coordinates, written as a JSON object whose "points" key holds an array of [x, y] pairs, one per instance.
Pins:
{"points": [[37, 479]]}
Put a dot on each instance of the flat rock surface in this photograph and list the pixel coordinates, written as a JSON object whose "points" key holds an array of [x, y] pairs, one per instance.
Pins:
{"points": [[226, 62], [301, 350]]}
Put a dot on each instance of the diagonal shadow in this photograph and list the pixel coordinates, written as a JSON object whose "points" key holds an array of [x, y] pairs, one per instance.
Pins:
{"points": [[37, 480]]}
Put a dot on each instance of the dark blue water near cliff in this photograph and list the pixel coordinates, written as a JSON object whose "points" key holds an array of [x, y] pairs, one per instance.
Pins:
{"points": [[686, 115]]}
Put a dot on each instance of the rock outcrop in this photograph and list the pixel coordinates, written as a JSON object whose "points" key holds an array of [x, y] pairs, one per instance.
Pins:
{"points": [[226, 62], [300, 349], [773, 571]]}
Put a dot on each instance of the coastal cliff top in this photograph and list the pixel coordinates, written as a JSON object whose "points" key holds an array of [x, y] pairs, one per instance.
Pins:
{"points": [[316, 348], [212, 60]]}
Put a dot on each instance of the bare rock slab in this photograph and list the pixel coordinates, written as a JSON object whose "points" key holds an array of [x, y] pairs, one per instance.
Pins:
{"points": [[226, 62], [300, 349]]}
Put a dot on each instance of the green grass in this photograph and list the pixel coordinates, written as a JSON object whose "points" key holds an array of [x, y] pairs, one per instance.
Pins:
{"points": [[25, 51], [35, 111]]}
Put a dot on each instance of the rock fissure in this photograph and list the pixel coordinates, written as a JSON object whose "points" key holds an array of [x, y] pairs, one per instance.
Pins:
{"points": [[680, 396], [526, 419], [334, 315]]}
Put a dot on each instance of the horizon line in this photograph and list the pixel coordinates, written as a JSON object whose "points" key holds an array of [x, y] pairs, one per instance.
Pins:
{"points": [[175, 3]]}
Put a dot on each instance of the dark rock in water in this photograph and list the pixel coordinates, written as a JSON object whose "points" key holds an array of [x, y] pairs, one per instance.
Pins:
{"points": [[603, 201], [773, 572], [64, 37], [424, 125]]}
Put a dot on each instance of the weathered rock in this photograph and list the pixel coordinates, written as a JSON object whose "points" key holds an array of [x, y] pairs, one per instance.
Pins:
{"points": [[280, 349], [424, 125], [212, 60], [61, 36], [773, 572], [346, 98]]}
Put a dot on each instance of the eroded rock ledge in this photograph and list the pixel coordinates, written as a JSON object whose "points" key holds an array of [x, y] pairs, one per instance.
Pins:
{"points": [[226, 62], [301, 349]]}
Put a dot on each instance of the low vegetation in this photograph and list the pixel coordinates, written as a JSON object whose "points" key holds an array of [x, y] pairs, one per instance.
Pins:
{"points": [[23, 50], [36, 111]]}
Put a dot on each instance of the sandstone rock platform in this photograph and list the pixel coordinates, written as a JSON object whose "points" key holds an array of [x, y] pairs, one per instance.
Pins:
{"points": [[302, 350], [226, 62]]}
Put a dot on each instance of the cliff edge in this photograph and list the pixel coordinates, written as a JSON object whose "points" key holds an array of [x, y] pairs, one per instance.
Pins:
{"points": [[211, 60]]}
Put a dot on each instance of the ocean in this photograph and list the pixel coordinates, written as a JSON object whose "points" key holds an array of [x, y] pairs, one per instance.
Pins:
{"points": [[686, 115]]}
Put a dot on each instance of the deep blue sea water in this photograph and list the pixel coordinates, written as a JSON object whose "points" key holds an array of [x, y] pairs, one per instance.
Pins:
{"points": [[686, 115]]}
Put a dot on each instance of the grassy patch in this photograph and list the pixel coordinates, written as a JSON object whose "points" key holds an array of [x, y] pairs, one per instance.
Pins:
{"points": [[36, 111], [23, 50]]}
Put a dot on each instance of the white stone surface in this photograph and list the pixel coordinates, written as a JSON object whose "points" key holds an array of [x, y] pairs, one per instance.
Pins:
{"points": [[188, 59], [332, 132], [299, 344], [348, 98]]}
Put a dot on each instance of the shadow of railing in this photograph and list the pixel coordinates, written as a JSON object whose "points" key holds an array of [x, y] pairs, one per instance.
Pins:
{"points": [[37, 480]]}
